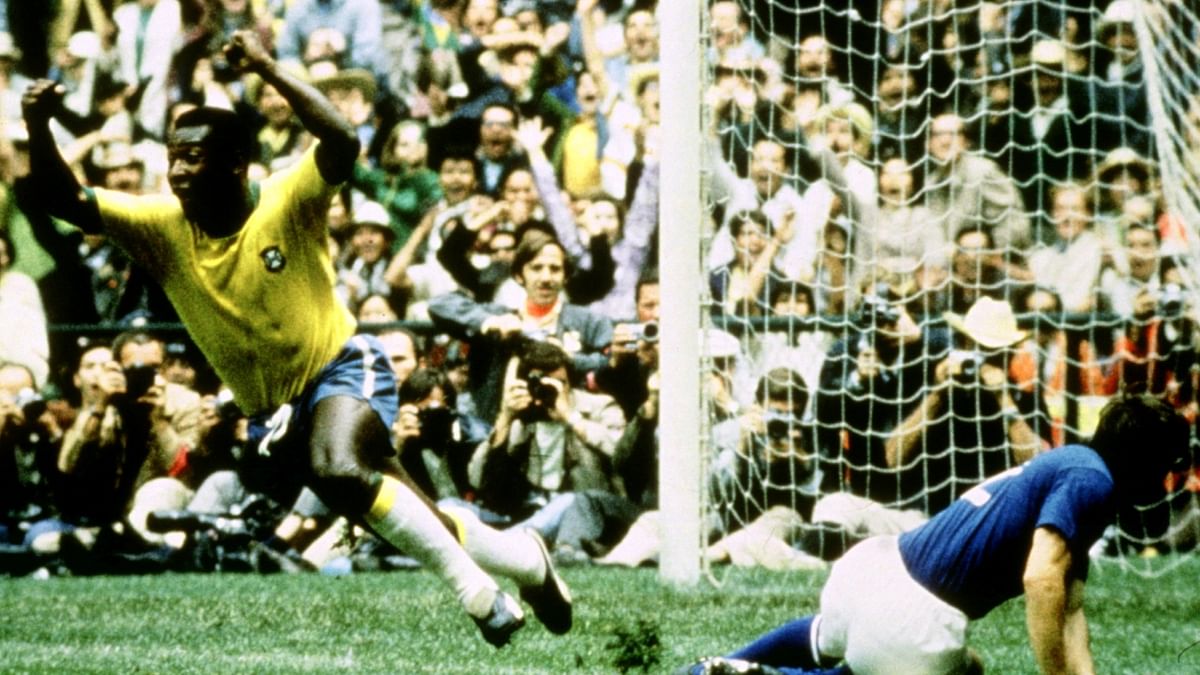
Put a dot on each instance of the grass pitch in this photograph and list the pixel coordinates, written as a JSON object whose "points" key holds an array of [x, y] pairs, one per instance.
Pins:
{"points": [[407, 622]]}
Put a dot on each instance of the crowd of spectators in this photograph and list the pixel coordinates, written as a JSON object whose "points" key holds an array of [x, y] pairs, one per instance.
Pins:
{"points": [[930, 269]]}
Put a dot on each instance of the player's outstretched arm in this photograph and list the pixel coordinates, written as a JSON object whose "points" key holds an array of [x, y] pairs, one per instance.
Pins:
{"points": [[1053, 609], [52, 184], [339, 146]]}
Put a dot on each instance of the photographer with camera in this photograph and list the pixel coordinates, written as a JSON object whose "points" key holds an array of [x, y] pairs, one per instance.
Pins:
{"points": [[434, 439], [29, 437], [144, 432], [92, 458], [871, 379], [552, 445], [766, 477], [495, 332], [633, 356], [763, 482], [1157, 349], [631, 378], [971, 422]]}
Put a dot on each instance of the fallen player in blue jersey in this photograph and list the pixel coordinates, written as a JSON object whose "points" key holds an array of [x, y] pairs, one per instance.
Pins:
{"points": [[901, 604]]}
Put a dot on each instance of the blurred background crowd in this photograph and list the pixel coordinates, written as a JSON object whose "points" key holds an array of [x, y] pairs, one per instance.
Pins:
{"points": [[938, 243]]}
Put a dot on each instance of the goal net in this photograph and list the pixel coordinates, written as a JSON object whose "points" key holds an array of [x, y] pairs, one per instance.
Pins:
{"points": [[941, 236]]}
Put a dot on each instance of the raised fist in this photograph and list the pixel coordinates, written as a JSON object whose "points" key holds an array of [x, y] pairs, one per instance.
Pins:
{"points": [[42, 100]]}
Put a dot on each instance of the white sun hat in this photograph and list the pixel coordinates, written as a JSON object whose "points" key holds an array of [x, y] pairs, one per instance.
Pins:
{"points": [[989, 322]]}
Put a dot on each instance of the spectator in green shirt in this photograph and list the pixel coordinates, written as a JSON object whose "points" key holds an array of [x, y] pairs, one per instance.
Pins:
{"points": [[404, 184]]}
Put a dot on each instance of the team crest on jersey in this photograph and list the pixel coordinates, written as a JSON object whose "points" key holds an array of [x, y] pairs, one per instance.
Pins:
{"points": [[273, 259]]}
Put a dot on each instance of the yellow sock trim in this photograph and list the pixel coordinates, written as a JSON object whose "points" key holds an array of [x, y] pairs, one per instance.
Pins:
{"points": [[384, 499], [460, 528]]}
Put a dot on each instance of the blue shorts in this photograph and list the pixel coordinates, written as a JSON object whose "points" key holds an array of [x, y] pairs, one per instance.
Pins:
{"points": [[361, 370]]}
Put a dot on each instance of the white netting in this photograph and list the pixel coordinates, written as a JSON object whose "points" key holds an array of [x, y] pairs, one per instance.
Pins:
{"points": [[1029, 168]]}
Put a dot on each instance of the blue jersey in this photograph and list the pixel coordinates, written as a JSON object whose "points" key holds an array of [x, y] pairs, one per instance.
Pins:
{"points": [[972, 555]]}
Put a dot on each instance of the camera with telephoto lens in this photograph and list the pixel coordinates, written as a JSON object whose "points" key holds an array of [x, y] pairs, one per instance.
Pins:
{"points": [[969, 364], [1171, 301], [646, 332], [779, 425]]}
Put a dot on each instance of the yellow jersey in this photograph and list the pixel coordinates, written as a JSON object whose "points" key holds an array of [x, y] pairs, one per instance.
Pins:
{"points": [[260, 304]]}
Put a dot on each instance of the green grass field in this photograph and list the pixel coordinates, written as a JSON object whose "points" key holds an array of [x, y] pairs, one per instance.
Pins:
{"points": [[406, 622]]}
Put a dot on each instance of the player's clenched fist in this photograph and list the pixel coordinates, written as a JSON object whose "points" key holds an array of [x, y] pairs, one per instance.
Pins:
{"points": [[245, 52], [42, 100]]}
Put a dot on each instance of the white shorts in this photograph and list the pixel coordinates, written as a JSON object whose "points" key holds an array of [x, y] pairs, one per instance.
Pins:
{"points": [[876, 617]]}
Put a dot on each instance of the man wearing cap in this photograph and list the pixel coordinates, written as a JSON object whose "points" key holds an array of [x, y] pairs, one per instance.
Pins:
{"points": [[352, 92], [971, 422], [247, 266], [363, 273], [903, 604], [1121, 177]]}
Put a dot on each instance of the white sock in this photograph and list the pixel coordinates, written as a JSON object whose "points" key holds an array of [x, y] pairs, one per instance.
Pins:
{"points": [[400, 517], [508, 553]]}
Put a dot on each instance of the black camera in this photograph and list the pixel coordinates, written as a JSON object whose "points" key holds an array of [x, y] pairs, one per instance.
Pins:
{"points": [[437, 423], [875, 311], [521, 341], [779, 425], [1171, 301], [31, 403], [543, 393], [138, 380], [969, 364]]}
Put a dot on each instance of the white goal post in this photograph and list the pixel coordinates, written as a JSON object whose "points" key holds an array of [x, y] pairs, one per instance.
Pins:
{"points": [[681, 210]]}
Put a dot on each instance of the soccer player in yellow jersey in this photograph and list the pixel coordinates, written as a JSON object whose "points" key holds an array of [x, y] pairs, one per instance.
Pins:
{"points": [[247, 268]]}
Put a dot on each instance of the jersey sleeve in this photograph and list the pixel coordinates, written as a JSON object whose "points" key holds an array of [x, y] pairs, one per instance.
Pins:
{"points": [[1079, 506], [301, 189], [147, 227]]}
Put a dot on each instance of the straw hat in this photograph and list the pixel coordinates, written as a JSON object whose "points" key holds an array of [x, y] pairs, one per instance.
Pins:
{"points": [[350, 78], [991, 323]]}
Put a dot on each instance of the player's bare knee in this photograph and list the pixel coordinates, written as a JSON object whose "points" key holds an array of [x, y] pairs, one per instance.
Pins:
{"points": [[345, 486]]}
